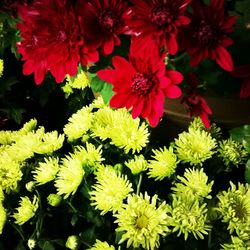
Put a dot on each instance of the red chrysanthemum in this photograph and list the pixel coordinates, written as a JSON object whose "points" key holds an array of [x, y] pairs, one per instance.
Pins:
{"points": [[52, 39], [103, 22], [195, 103], [160, 19], [207, 34], [243, 71], [142, 83]]}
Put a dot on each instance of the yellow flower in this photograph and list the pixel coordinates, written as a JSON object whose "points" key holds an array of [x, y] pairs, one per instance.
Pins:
{"points": [[70, 176], [194, 183], [195, 146], [234, 208], [99, 245], [110, 190], [54, 200], [26, 210], [46, 171], [79, 123], [237, 244], [90, 156], [80, 81], [1, 67], [3, 218], [137, 165], [72, 242], [31, 243], [163, 165], [188, 216], [49, 143], [142, 222], [10, 173], [98, 103]]}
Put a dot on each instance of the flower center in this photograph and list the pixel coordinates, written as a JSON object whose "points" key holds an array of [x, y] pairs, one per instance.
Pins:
{"points": [[142, 222], [205, 33], [142, 84], [108, 22], [161, 16]]}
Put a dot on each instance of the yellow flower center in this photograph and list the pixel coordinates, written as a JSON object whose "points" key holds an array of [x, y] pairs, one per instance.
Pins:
{"points": [[142, 221]]}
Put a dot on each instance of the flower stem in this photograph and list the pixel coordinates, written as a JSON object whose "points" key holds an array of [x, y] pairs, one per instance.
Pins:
{"points": [[139, 184], [209, 240]]}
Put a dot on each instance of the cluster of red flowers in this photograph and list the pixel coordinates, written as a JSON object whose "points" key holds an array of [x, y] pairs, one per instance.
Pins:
{"points": [[57, 35]]}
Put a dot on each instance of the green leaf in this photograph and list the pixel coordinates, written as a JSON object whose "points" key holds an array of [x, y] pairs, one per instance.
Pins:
{"points": [[247, 172], [96, 84], [106, 92], [241, 134], [48, 246], [89, 235]]}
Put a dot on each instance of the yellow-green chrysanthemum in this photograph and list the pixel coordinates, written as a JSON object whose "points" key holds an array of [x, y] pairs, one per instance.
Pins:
{"points": [[69, 176], [234, 208], [10, 174], [49, 143], [110, 190], [28, 127], [237, 244], [54, 200], [232, 152], [188, 217], [1, 194], [163, 165], [72, 242], [142, 222], [90, 156], [98, 103], [7, 137], [3, 217], [194, 183], [1, 67], [80, 81], [46, 171], [195, 146], [101, 245], [137, 165], [79, 123], [26, 210]]}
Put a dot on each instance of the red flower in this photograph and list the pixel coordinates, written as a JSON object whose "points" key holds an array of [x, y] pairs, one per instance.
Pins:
{"points": [[195, 103], [103, 21], [160, 19], [51, 39], [207, 34], [243, 72], [142, 82]]}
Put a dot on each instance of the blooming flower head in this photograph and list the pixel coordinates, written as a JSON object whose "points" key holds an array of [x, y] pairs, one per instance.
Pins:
{"points": [[69, 176], [188, 216], [142, 83], [52, 40], [80, 81], [163, 165], [195, 103], [103, 22], [90, 156], [137, 165], [110, 190], [194, 183], [26, 210], [1, 67], [141, 221], [46, 171], [160, 19], [231, 152], [195, 146], [207, 34], [234, 208], [31, 243], [236, 244], [3, 217], [49, 143], [101, 245], [79, 123]]}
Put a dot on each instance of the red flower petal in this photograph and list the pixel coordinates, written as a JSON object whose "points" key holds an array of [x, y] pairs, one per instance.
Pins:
{"points": [[223, 58]]}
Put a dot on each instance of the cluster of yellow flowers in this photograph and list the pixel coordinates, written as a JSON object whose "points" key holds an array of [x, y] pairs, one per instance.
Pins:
{"points": [[96, 137]]}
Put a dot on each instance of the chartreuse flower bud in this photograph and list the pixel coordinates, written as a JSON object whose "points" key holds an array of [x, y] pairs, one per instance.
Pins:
{"points": [[54, 200], [99, 245], [137, 165], [232, 152], [1, 67], [26, 210], [195, 146], [30, 186], [31, 243], [163, 164], [72, 242]]}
